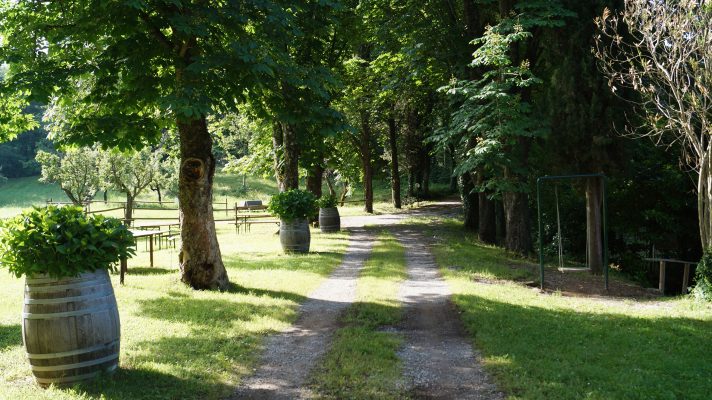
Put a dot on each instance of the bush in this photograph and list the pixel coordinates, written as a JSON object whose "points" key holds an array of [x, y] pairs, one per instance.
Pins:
{"points": [[328, 201], [62, 242], [703, 276], [293, 204]]}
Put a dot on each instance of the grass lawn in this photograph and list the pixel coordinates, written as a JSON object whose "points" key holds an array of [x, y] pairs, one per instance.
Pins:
{"points": [[363, 362], [178, 343], [544, 346]]}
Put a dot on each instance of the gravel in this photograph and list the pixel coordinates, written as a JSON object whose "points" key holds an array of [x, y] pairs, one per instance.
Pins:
{"points": [[289, 356], [438, 359]]}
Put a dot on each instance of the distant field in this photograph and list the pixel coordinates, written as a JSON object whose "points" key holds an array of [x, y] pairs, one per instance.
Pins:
{"points": [[21, 193]]}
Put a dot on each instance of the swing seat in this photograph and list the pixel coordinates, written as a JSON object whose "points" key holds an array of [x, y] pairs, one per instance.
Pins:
{"points": [[574, 269]]}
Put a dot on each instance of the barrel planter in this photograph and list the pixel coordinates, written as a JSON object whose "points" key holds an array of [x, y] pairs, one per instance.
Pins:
{"points": [[329, 220], [70, 327], [294, 236]]}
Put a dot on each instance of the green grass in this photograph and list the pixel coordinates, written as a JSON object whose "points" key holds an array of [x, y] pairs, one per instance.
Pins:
{"points": [[178, 343], [362, 363], [543, 346], [18, 194]]}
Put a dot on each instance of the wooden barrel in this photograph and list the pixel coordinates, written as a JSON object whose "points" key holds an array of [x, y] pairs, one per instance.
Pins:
{"points": [[71, 327], [329, 220], [295, 236]]}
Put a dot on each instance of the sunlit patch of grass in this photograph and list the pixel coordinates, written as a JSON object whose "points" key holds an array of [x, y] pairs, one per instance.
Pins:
{"points": [[178, 343], [362, 362]]}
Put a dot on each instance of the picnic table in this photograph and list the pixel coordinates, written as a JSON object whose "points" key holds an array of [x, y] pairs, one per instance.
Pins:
{"points": [[247, 220], [663, 269]]}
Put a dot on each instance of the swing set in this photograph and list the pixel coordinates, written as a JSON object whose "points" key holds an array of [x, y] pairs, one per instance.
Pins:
{"points": [[539, 184]]}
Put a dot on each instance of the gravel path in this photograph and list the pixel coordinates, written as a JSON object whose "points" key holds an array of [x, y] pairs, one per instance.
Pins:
{"points": [[290, 355], [438, 359]]}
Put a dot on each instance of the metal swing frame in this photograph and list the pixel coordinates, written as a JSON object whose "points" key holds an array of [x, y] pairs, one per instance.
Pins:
{"points": [[539, 184]]}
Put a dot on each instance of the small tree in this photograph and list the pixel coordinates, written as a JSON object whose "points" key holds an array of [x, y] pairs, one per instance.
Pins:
{"points": [[662, 52], [76, 172], [131, 174]]}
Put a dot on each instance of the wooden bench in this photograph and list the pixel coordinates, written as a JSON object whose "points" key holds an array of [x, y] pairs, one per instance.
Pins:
{"points": [[663, 270]]}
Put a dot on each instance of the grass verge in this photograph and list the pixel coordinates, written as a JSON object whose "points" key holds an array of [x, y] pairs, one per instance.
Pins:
{"points": [[178, 343], [363, 361], [543, 346]]}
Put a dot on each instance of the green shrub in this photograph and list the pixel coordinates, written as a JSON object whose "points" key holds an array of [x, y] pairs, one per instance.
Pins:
{"points": [[327, 201], [703, 276], [293, 204], [62, 242]]}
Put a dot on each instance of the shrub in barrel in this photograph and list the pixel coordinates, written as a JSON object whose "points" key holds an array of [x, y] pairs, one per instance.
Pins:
{"points": [[70, 323], [329, 219], [294, 207]]}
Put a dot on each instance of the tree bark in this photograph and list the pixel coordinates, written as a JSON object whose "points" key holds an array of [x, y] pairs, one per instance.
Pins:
{"points": [[470, 202], [366, 162], [315, 179], [517, 222], [128, 210], [395, 171], [488, 225], [704, 198], [200, 259], [594, 248], [291, 157], [278, 150]]}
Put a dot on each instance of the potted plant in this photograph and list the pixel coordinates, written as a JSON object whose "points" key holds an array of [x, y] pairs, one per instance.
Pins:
{"points": [[329, 219], [294, 207], [70, 321]]}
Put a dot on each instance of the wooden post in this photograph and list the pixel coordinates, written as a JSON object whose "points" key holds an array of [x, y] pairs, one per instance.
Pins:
{"points": [[122, 270], [662, 277], [685, 278], [150, 248]]}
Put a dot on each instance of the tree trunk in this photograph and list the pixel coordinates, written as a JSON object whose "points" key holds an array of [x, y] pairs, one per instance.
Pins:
{"points": [[594, 248], [499, 222], [366, 162], [330, 184], [425, 184], [488, 224], [278, 151], [128, 210], [517, 222], [411, 182], [291, 157], [200, 259], [315, 179], [106, 196], [470, 202], [453, 165], [395, 171], [704, 199]]}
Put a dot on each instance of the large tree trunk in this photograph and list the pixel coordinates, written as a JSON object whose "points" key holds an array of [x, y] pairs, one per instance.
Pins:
{"points": [[315, 179], [395, 171], [291, 157], [594, 248], [470, 202], [200, 260], [278, 150], [488, 224], [518, 223], [366, 162]]}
